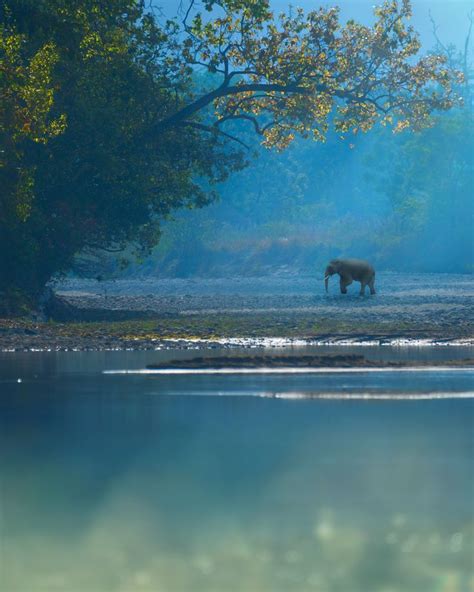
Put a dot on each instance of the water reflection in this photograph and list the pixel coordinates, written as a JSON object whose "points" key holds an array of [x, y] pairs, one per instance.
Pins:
{"points": [[30, 364], [107, 488]]}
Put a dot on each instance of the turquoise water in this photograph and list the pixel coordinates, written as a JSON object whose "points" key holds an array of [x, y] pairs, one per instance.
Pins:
{"points": [[116, 482]]}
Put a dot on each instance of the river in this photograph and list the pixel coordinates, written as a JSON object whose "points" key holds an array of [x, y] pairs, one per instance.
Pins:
{"points": [[182, 483]]}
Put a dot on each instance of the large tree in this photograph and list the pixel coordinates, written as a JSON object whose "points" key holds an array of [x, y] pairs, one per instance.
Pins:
{"points": [[81, 83], [300, 72], [111, 117]]}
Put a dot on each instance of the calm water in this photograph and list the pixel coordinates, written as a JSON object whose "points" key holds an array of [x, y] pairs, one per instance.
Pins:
{"points": [[129, 482]]}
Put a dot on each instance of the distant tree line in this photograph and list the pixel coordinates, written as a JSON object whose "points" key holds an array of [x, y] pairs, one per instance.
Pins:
{"points": [[404, 202]]}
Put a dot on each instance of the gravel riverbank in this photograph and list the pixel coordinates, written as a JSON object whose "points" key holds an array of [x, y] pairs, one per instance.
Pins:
{"points": [[154, 313]]}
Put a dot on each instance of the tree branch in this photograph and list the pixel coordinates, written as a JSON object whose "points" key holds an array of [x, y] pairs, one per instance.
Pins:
{"points": [[94, 247], [223, 91], [470, 16], [253, 120], [212, 129], [438, 40]]}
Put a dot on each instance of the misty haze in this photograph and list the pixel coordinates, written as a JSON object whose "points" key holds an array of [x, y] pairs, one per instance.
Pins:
{"points": [[236, 296]]}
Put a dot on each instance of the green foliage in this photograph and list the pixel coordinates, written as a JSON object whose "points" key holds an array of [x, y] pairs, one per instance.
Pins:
{"points": [[26, 100], [428, 179], [80, 85], [404, 202], [287, 75], [296, 209]]}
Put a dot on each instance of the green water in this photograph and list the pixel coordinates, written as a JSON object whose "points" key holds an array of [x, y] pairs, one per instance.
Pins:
{"points": [[130, 483]]}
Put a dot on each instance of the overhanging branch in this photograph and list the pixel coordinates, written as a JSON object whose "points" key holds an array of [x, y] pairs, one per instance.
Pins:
{"points": [[212, 129], [223, 91]]}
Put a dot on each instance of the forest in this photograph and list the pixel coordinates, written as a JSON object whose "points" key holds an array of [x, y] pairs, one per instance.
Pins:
{"points": [[226, 139], [390, 200]]}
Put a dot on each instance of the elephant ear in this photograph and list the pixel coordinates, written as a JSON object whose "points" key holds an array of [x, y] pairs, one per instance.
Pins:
{"points": [[335, 264]]}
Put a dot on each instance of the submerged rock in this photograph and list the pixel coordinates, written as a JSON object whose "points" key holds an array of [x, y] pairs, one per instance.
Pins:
{"points": [[294, 361]]}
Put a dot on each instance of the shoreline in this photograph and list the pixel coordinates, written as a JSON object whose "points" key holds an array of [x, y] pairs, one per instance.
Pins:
{"points": [[24, 335], [267, 312]]}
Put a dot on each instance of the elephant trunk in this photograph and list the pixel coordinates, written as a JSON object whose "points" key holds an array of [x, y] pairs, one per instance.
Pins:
{"points": [[326, 282]]}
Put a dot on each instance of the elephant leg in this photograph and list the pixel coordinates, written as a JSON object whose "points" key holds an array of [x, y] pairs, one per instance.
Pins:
{"points": [[371, 286], [362, 288], [344, 283]]}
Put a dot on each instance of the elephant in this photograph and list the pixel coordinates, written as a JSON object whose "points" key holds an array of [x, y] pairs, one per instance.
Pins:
{"points": [[350, 270]]}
